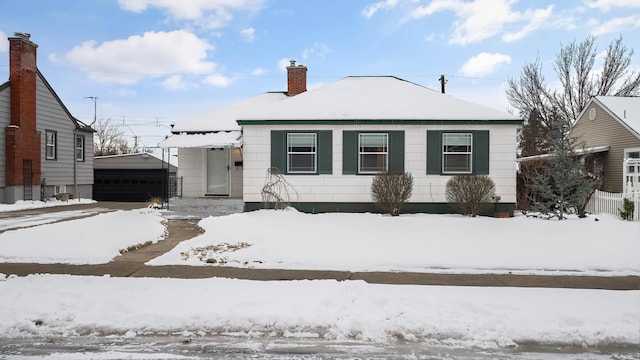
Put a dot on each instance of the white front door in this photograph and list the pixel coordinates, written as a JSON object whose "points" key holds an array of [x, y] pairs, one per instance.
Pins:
{"points": [[217, 172]]}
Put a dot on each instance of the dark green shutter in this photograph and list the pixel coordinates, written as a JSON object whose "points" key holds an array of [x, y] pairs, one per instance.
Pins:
{"points": [[349, 152], [325, 152], [279, 150], [481, 152], [434, 152], [396, 150]]}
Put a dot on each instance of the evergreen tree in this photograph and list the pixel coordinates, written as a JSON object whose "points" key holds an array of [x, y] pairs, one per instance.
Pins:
{"points": [[560, 185]]}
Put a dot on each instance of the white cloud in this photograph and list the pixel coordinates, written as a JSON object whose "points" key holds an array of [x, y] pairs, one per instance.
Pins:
{"points": [[4, 44], [537, 18], [154, 54], [125, 92], [258, 71], [606, 5], [370, 10], [318, 50], [480, 19], [283, 63], [484, 64], [616, 25], [249, 34], [174, 82], [217, 80], [212, 14]]}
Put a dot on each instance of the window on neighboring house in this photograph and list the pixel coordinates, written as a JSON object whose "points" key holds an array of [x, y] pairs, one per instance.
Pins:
{"points": [[457, 153], [373, 151], [51, 144], [79, 148], [451, 152], [633, 153], [301, 152]]}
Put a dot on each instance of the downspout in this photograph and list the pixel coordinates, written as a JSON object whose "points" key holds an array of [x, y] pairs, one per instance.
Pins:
{"points": [[75, 164]]}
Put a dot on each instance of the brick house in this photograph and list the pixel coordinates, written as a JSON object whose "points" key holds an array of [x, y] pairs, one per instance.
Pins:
{"points": [[41, 142]]}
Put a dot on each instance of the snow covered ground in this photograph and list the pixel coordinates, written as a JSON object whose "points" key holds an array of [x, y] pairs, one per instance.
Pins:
{"points": [[68, 306]]}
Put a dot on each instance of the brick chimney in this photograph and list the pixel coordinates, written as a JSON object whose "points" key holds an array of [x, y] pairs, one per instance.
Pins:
{"points": [[296, 79], [22, 138]]}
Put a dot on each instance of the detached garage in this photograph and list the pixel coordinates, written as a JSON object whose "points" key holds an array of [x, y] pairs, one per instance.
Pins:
{"points": [[132, 177]]}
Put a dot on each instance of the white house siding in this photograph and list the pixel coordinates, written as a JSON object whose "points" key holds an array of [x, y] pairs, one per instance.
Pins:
{"points": [[5, 115], [340, 188], [51, 116]]}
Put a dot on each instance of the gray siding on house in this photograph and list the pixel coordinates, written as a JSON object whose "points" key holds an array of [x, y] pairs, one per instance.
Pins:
{"points": [[605, 130], [5, 115], [51, 115]]}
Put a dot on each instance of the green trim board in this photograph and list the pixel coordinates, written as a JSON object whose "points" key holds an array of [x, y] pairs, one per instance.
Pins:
{"points": [[410, 208], [379, 122]]}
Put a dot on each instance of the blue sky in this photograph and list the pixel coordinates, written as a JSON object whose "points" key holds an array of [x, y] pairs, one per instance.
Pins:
{"points": [[154, 62]]}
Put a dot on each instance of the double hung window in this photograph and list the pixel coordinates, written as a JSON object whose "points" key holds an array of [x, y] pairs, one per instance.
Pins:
{"points": [[373, 152], [457, 153], [80, 148], [301, 152], [51, 138]]}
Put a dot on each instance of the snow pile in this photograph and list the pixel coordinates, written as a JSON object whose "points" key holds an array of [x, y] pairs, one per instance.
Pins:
{"points": [[419, 242], [93, 240], [34, 204], [64, 305]]}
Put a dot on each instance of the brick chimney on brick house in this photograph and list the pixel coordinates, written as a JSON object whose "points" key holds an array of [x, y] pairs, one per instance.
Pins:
{"points": [[22, 138], [296, 79]]}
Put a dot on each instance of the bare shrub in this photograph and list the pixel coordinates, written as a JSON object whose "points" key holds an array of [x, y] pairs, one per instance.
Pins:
{"points": [[470, 193], [391, 191], [277, 192]]}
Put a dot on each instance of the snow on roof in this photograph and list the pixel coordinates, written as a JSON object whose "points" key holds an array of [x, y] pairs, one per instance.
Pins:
{"points": [[224, 118], [626, 108], [208, 140], [375, 98]]}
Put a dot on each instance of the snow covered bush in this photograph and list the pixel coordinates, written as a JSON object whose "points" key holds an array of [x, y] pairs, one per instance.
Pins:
{"points": [[391, 190], [627, 210], [277, 192], [470, 193]]}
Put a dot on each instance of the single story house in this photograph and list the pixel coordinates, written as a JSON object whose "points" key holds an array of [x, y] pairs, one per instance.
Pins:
{"points": [[329, 142], [610, 125], [42, 146], [133, 177]]}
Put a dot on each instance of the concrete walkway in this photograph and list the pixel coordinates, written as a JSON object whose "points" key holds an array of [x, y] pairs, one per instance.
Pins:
{"points": [[131, 264]]}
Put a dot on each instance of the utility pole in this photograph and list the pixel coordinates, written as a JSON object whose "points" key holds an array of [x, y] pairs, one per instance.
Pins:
{"points": [[442, 82], [95, 107]]}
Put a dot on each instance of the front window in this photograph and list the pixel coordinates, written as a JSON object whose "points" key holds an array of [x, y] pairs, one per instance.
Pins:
{"points": [[51, 144], [456, 153], [301, 152], [373, 153], [80, 148]]}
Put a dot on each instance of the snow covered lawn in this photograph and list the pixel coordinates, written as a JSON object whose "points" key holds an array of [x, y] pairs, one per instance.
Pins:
{"points": [[420, 242], [64, 305], [93, 240]]}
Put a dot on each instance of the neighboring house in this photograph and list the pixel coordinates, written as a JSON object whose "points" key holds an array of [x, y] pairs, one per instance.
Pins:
{"points": [[329, 142], [133, 177], [41, 142], [611, 126]]}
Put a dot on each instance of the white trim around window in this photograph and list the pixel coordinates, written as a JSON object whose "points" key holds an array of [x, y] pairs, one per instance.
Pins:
{"points": [[457, 153], [79, 148], [373, 153], [302, 153], [51, 144]]}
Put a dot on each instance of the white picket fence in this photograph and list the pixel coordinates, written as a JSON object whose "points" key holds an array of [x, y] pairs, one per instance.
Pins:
{"points": [[611, 203]]}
